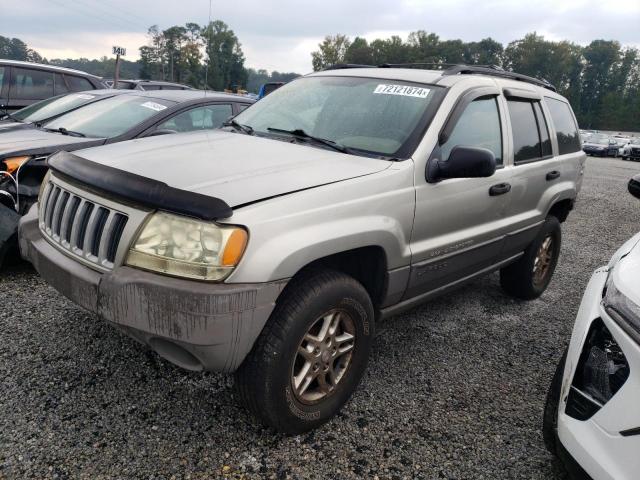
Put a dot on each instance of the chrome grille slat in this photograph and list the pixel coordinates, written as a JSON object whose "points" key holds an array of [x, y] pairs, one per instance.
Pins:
{"points": [[80, 226], [90, 230], [67, 219], [61, 206], [51, 205]]}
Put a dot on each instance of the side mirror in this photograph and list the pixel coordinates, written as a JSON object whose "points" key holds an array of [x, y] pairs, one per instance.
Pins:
{"points": [[634, 186], [162, 131], [463, 162]]}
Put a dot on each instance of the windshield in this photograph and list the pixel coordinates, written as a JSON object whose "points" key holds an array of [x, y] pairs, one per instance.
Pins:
{"points": [[52, 107], [600, 141], [371, 115], [111, 117]]}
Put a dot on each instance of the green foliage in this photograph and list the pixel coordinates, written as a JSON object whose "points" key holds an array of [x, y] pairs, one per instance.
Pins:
{"points": [[601, 80], [16, 49]]}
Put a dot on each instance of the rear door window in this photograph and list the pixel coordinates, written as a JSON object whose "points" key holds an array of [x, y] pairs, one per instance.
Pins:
{"points": [[2, 70], [544, 129], [527, 145], [478, 126], [565, 126], [78, 84], [28, 84]]}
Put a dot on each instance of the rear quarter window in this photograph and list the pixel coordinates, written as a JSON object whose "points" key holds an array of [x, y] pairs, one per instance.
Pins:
{"points": [[78, 84], [565, 126]]}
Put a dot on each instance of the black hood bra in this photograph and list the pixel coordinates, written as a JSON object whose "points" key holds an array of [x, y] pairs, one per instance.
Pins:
{"points": [[138, 189]]}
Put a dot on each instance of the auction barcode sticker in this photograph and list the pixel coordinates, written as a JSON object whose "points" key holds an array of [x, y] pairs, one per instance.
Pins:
{"points": [[153, 106], [404, 90]]}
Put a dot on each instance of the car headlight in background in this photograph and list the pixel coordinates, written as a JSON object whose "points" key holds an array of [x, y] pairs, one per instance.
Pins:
{"points": [[12, 164], [186, 247], [620, 307]]}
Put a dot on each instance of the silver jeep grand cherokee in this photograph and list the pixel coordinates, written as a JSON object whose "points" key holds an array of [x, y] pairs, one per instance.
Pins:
{"points": [[271, 247]]}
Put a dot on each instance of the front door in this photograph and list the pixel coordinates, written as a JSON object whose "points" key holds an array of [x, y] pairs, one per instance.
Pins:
{"points": [[460, 224]]}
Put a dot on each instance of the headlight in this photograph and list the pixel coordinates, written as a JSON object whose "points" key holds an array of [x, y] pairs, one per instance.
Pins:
{"points": [[185, 247], [12, 164], [623, 307]]}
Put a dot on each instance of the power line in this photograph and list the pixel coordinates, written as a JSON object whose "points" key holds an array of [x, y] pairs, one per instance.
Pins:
{"points": [[106, 11]]}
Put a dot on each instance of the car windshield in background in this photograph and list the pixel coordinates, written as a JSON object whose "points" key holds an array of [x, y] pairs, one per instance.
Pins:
{"points": [[52, 107], [601, 141], [374, 116], [110, 117]]}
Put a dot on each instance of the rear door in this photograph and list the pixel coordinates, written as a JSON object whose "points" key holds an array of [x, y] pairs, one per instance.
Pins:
{"points": [[459, 223], [541, 166]]}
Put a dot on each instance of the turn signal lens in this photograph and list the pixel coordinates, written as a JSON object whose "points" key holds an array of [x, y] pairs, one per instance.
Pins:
{"points": [[235, 248]]}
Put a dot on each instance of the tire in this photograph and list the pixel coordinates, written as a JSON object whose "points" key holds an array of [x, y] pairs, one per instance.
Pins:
{"points": [[550, 417], [522, 279], [265, 380]]}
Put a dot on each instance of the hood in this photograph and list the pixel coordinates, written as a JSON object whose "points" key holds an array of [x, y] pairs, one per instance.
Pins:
{"points": [[34, 141], [234, 167]]}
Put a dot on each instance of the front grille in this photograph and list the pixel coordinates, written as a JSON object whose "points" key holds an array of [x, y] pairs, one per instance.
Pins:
{"points": [[80, 226]]}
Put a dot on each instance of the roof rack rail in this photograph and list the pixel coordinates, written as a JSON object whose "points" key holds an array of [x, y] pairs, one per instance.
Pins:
{"points": [[441, 66], [455, 69], [495, 71], [343, 66]]}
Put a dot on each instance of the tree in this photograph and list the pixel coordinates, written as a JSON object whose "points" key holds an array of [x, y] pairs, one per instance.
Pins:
{"points": [[331, 51], [225, 60], [359, 52]]}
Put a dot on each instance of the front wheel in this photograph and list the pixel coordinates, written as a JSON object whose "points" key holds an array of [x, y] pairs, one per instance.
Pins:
{"points": [[529, 277], [311, 354], [550, 419]]}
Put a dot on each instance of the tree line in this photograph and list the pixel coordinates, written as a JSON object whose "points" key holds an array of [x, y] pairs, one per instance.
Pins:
{"points": [[601, 80], [207, 56]]}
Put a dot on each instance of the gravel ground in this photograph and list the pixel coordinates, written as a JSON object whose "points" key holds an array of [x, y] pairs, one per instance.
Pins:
{"points": [[455, 388]]}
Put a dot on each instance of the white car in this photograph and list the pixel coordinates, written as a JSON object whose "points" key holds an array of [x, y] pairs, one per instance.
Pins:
{"points": [[631, 150], [592, 415]]}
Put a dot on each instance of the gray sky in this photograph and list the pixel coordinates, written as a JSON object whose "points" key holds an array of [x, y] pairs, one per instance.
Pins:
{"points": [[280, 34]]}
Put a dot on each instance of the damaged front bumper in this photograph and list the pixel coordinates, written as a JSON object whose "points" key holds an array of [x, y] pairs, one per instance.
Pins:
{"points": [[196, 325]]}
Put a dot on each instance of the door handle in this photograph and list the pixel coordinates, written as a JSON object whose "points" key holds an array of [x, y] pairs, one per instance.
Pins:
{"points": [[500, 189], [553, 175]]}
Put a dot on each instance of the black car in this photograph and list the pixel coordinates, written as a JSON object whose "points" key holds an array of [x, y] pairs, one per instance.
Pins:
{"points": [[129, 115], [600, 145], [24, 83], [44, 111], [146, 85]]}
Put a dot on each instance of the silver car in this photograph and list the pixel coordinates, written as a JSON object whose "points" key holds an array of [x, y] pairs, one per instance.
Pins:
{"points": [[272, 247]]}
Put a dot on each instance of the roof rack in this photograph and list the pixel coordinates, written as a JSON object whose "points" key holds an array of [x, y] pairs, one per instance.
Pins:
{"points": [[344, 66], [495, 71], [456, 69]]}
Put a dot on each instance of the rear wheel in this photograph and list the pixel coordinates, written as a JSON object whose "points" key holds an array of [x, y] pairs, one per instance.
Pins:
{"points": [[311, 355], [529, 277]]}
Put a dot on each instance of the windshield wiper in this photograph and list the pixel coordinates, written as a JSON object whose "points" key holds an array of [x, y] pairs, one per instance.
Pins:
{"points": [[238, 126], [300, 133], [64, 131]]}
